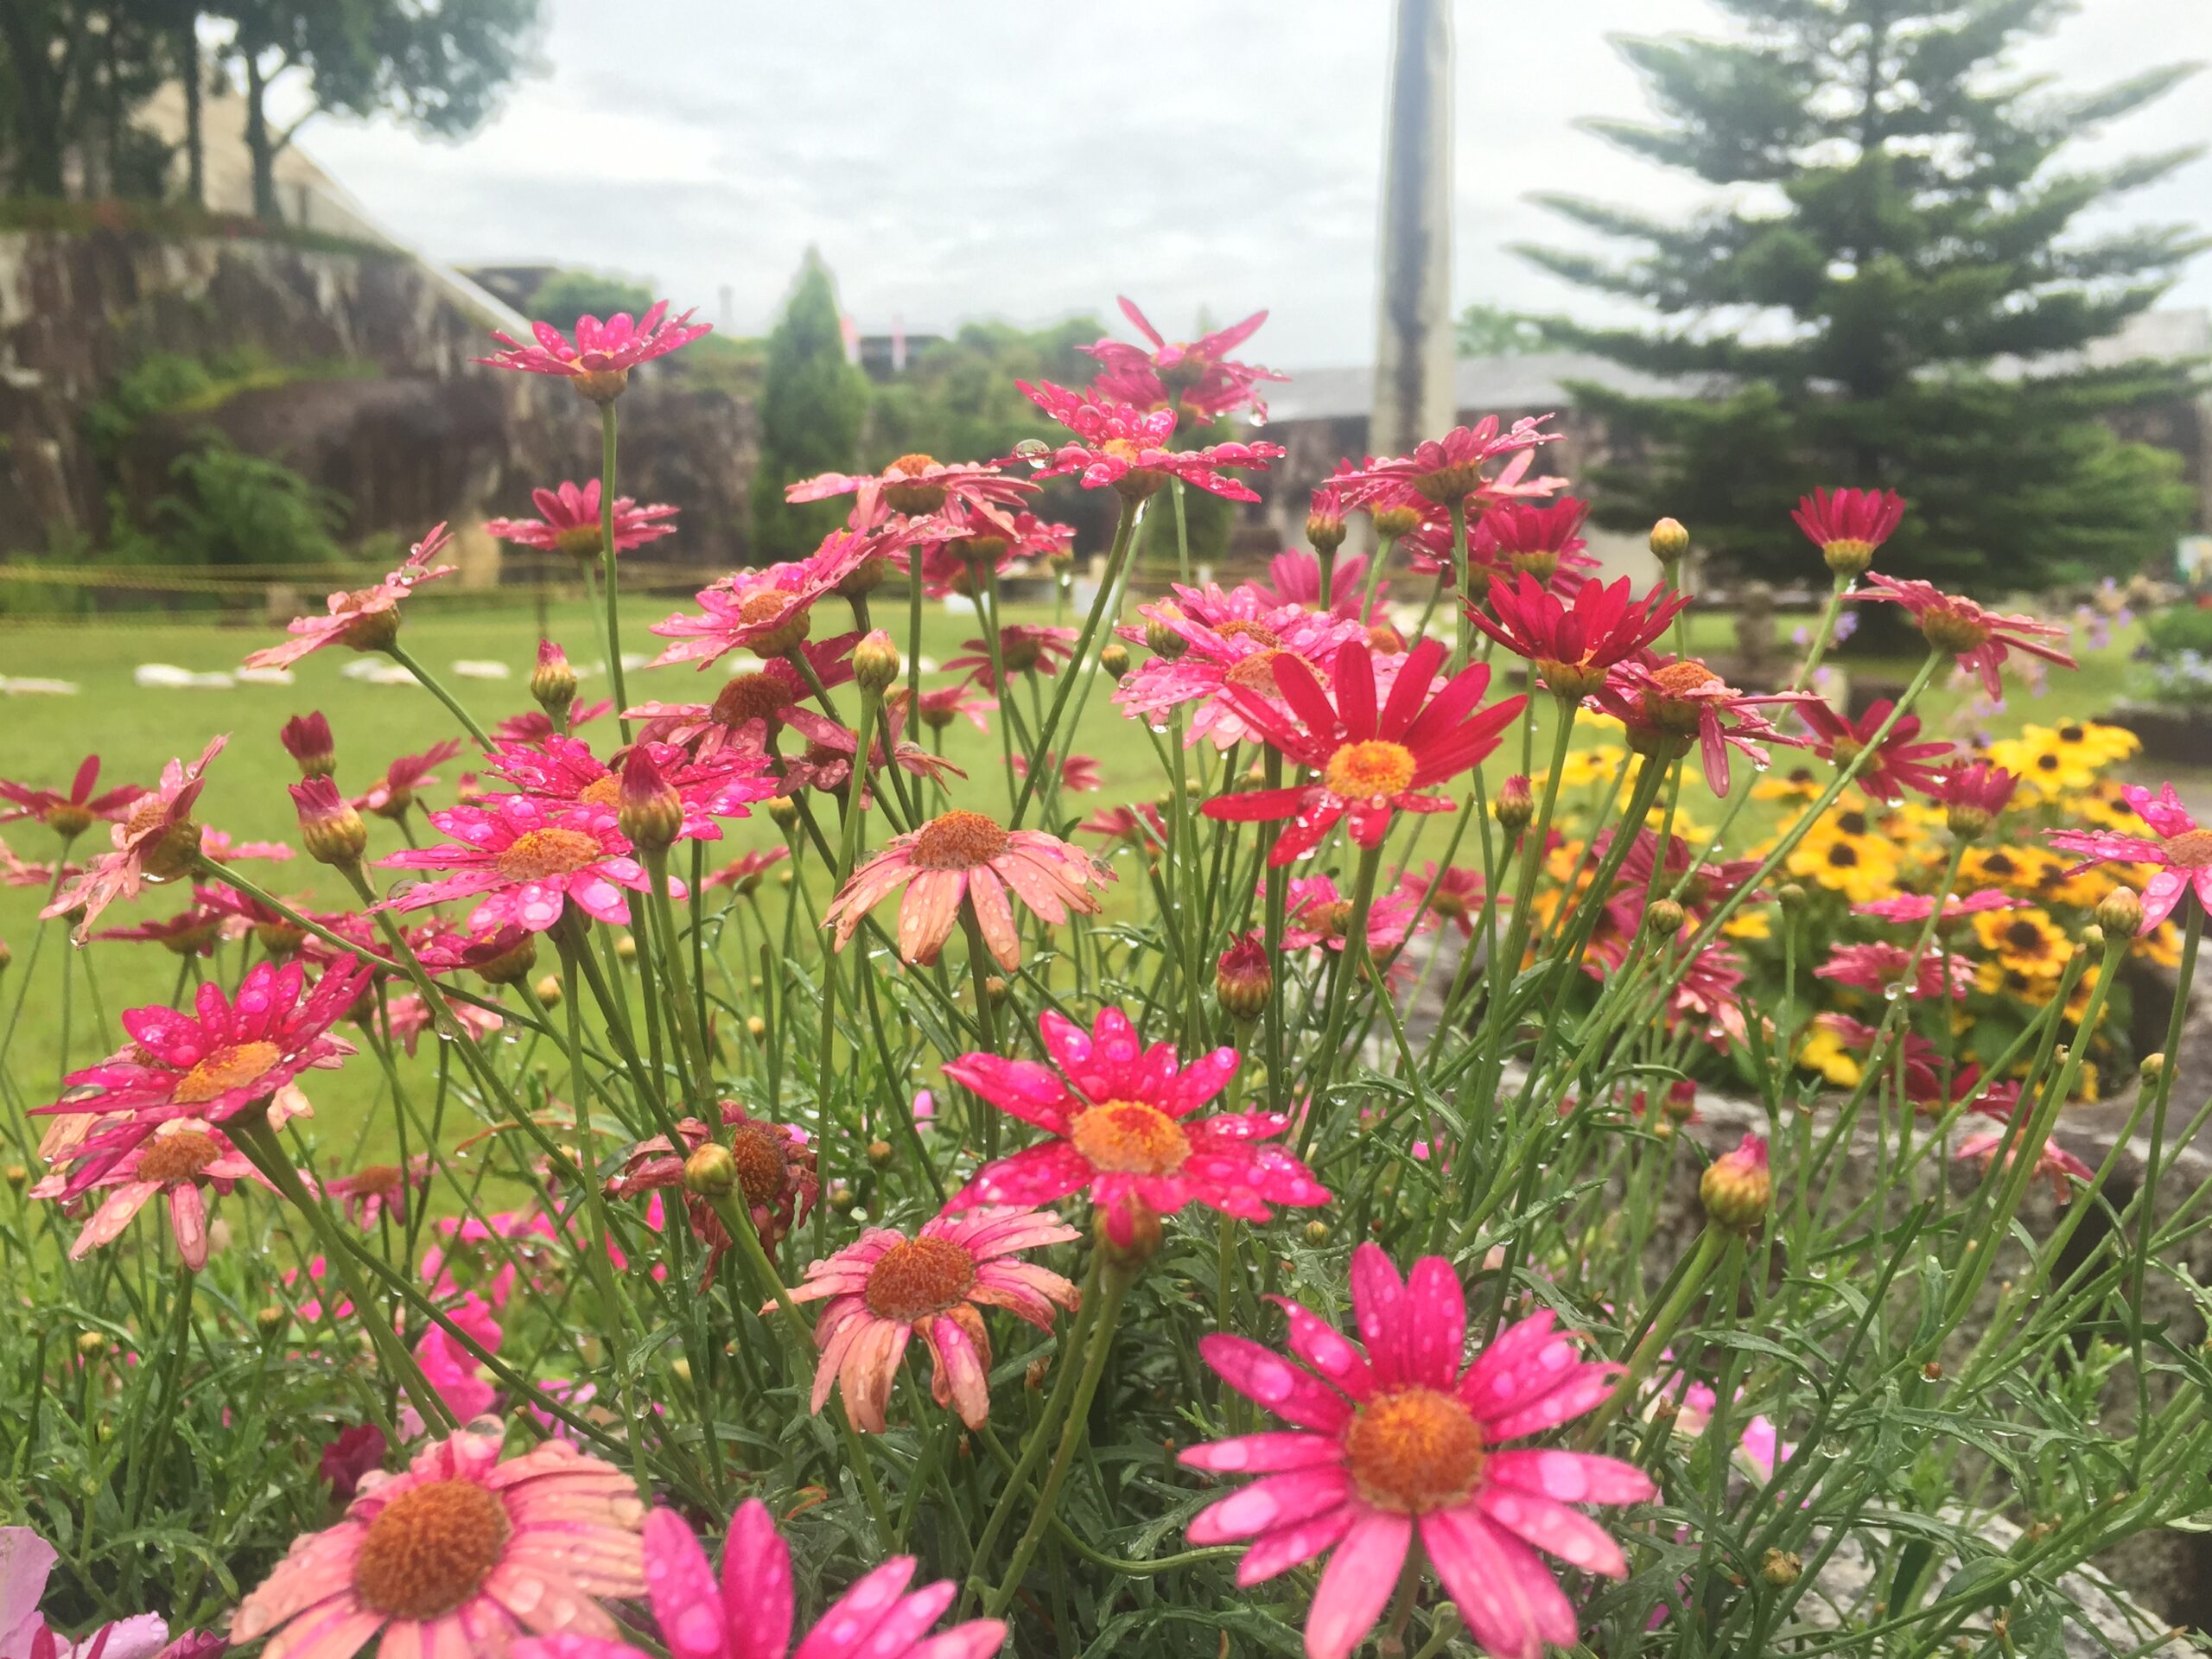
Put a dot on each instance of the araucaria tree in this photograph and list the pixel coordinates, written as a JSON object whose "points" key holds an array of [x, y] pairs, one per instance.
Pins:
{"points": [[812, 404], [1893, 290]]}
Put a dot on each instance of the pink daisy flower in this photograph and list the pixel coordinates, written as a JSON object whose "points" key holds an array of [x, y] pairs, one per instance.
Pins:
{"points": [[1078, 774], [219, 847], [1230, 639], [1452, 467], [536, 725], [562, 771], [462, 1554], [2182, 851], [178, 1161], [1295, 578], [68, 816], [1879, 966], [1023, 648], [209, 1065], [600, 359], [193, 933], [1980, 640], [2053, 1162], [1919, 906], [748, 1614], [1575, 643], [745, 871], [1316, 913], [567, 522], [888, 1289], [1122, 447], [947, 703], [1847, 526], [775, 1176], [1395, 1434], [1140, 826], [1901, 762], [1194, 377], [919, 484], [769, 611], [1674, 705], [156, 839], [375, 1190], [393, 794], [954, 549], [964, 854], [754, 705], [1374, 757], [527, 859], [1458, 898], [1121, 1118], [366, 619]]}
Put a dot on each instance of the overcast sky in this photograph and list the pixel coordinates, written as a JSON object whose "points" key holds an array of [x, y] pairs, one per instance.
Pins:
{"points": [[961, 159]]}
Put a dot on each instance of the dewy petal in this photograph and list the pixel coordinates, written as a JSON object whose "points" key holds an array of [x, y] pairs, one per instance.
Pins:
{"points": [[1328, 1351], [1292, 1546], [1278, 1500], [756, 1584], [1356, 1584], [1571, 1477], [1378, 1300], [1467, 1560], [1568, 1533], [1261, 1454], [1264, 1376], [1436, 1326], [680, 1582]]}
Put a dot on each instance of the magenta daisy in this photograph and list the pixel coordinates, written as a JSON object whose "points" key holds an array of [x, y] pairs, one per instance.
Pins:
{"points": [[768, 611], [1575, 643], [961, 855], [1458, 898], [1981, 639], [748, 1614], [1455, 466], [1023, 648], [1194, 377], [1229, 640], [393, 794], [1900, 763], [182, 1160], [956, 550], [462, 1554], [1122, 447], [527, 860], [1681, 704], [366, 619], [1295, 578], [1316, 915], [1847, 526], [600, 360], [567, 522], [1880, 967], [209, 1066], [1122, 1118], [156, 840], [1523, 538], [919, 484], [888, 1289], [562, 772], [1394, 1435], [1373, 757], [2182, 851], [1919, 906], [754, 704], [69, 816]]}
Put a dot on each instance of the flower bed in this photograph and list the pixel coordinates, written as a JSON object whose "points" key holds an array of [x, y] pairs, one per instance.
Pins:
{"points": [[1123, 1223]]}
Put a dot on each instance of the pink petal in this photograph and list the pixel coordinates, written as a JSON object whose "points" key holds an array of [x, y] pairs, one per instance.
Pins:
{"points": [[1292, 1546], [681, 1584], [1356, 1584], [757, 1585], [1276, 1501], [1294, 1395], [1571, 1535]]}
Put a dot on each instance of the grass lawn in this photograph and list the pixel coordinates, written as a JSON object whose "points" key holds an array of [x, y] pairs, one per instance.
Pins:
{"points": [[136, 730]]}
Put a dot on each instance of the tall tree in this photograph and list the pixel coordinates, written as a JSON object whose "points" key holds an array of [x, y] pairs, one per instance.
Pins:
{"points": [[812, 404], [1894, 292], [438, 65]]}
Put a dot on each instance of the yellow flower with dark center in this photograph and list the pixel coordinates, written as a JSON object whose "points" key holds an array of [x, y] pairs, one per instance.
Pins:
{"points": [[1842, 854], [2019, 870], [1823, 1052], [1798, 783], [2024, 941], [2102, 744], [1750, 925], [2043, 763], [1993, 978], [2161, 945], [1603, 764]]}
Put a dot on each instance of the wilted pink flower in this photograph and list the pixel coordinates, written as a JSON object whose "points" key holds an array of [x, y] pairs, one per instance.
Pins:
{"points": [[177, 1161], [1979, 638], [68, 816], [1194, 377], [567, 522], [156, 839], [366, 619]]}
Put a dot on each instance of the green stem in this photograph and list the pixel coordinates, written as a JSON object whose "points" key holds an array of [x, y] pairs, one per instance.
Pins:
{"points": [[1347, 963], [430, 682], [1712, 1244], [606, 560], [1082, 666]]}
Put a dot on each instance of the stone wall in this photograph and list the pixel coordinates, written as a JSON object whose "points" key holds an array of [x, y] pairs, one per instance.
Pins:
{"points": [[427, 436]]}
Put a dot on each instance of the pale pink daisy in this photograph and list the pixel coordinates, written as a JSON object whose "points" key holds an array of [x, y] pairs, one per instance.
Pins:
{"points": [[600, 360], [393, 794], [919, 484], [887, 1289], [180, 1161], [2182, 851], [366, 619], [1919, 906], [1023, 648], [1880, 967], [567, 522], [527, 860], [754, 704], [964, 854], [156, 839], [1229, 640], [68, 816], [1979, 638], [1395, 1435], [462, 1555], [2053, 1162]]}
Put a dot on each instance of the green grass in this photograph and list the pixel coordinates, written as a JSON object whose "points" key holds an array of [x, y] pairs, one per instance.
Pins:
{"points": [[136, 731]]}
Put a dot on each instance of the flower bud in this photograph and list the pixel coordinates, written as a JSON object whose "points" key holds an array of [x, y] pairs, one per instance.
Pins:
{"points": [[1163, 641], [2152, 1067], [548, 990], [331, 829], [91, 1345], [2121, 912], [553, 682], [625, 947], [1244, 979], [1782, 1567], [1670, 541], [1325, 531], [1663, 919], [995, 990], [1515, 806], [1129, 1233], [306, 739], [755, 1028], [1737, 1187], [1032, 1377], [879, 1152], [1681, 1104], [651, 813], [18, 1176], [511, 966], [271, 1319], [2093, 938], [1317, 1232], [875, 662], [1115, 659], [1791, 896], [1390, 523], [710, 1172], [680, 1369], [783, 811]]}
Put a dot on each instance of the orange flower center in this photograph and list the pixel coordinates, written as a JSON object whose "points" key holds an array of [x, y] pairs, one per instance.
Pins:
{"points": [[430, 1549], [380, 1179], [2191, 849], [751, 697], [537, 854], [958, 841], [764, 608], [758, 1152], [1257, 672], [1123, 449], [68, 820], [225, 1070], [918, 1277], [1949, 628], [578, 541], [178, 1156], [1330, 920], [603, 791], [1127, 1137], [1413, 1450], [1365, 770], [1240, 629], [1679, 679], [911, 465], [1019, 652]]}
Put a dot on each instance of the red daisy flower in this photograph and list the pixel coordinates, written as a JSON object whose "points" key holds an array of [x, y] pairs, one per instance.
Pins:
{"points": [[600, 360], [367, 619], [69, 816], [211, 1064], [1458, 898], [1121, 1116], [567, 522], [1981, 639], [1373, 760], [1122, 447], [1574, 642], [527, 860], [1525, 539], [1295, 578], [393, 794], [1899, 765], [1847, 526], [1973, 796], [1192, 376]]}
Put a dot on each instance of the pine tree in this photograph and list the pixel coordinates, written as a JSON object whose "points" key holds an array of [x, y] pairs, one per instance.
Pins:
{"points": [[812, 404], [1896, 241]]}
